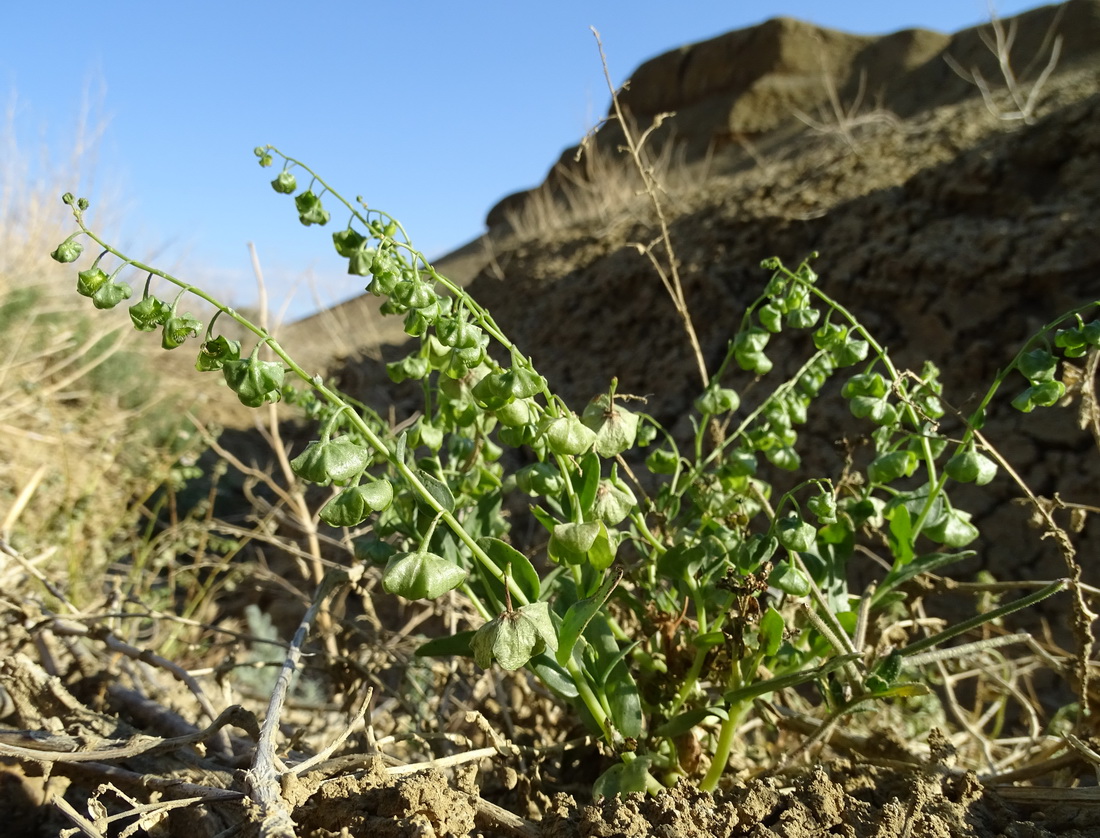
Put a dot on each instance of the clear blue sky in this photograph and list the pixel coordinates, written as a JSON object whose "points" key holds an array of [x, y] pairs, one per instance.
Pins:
{"points": [[432, 111]]}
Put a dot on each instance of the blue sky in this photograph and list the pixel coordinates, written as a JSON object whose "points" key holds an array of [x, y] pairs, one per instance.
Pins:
{"points": [[432, 111]]}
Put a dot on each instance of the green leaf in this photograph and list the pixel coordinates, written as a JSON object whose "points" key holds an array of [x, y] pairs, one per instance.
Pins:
{"points": [[900, 574], [580, 614], [1038, 366], [625, 701], [771, 629], [901, 535], [887, 468], [508, 558], [373, 550], [421, 575], [553, 676], [447, 645], [438, 490], [623, 778], [683, 722]]}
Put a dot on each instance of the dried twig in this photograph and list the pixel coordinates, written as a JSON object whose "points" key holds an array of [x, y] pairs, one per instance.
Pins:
{"points": [[1000, 44], [670, 272], [263, 777]]}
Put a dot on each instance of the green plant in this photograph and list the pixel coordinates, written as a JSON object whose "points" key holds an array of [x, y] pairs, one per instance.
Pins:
{"points": [[662, 606]]}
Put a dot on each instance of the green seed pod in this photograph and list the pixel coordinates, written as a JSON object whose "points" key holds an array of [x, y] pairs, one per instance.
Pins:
{"points": [[662, 461], [310, 210], [421, 575], [540, 479], [412, 367], [803, 318], [360, 262], [90, 281], [569, 436], [517, 413], [795, 534], [68, 251], [493, 391], [111, 294], [829, 335], [178, 328], [971, 467], [790, 580], [254, 381], [870, 384], [614, 500], [353, 506], [458, 332], [215, 352], [149, 313], [616, 428], [771, 318], [515, 637], [348, 241], [716, 401], [570, 543], [285, 183], [335, 460], [850, 352], [824, 507]]}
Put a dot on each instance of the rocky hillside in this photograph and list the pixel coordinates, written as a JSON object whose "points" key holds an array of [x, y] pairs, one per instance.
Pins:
{"points": [[952, 225]]}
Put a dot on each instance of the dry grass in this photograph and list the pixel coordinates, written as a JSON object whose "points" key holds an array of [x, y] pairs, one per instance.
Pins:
{"points": [[85, 440], [603, 186]]}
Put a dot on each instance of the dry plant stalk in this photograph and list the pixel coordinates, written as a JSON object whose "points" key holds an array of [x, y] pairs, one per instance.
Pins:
{"points": [[1000, 45], [668, 271], [842, 121]]}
